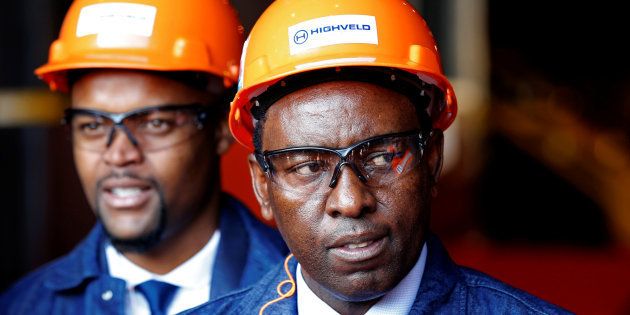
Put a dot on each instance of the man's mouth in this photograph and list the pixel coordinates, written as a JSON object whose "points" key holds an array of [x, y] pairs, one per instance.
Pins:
{"points": [[126, 198], [125, 193], [359, 248], [360, 245]]}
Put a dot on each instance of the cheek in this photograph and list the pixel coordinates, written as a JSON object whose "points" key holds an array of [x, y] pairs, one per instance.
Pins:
{"points": [[299, 219], [87, 167], [181, 172], [406, 206]]}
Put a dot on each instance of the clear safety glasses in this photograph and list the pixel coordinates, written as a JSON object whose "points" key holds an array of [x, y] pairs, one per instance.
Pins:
{"points": [[315, 170], [149, 128]]}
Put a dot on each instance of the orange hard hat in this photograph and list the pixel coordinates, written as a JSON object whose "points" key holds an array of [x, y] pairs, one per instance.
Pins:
{"points": [[298, 36], [160, 35]]}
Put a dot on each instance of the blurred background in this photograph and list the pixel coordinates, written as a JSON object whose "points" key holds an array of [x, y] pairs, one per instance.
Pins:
{"points": [[536, 185]]}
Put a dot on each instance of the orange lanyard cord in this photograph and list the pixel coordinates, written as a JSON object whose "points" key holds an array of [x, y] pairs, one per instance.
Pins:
{"points": [[283, 295]]}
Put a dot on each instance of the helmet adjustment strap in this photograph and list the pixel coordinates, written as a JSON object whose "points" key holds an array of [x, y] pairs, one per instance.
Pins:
{"points": [[419, 92]]}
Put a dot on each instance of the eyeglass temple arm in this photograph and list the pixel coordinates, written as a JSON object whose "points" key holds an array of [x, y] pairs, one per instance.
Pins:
{"points": [[262, 162]]}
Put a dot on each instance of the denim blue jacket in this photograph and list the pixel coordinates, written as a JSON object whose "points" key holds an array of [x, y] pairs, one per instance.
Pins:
{"points": [[79, 283], [446, 288]]}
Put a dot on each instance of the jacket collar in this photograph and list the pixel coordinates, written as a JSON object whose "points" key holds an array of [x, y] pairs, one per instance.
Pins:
{"points": [[439, 278], [261, 247], [85, 262], [88, 261], [231, 262]]}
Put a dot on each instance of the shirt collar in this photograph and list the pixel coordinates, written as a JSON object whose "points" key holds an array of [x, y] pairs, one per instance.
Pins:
{"points": [[397, 301], [192, 273]]}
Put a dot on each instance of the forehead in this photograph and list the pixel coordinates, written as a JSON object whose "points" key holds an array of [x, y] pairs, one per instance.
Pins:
{"points": [[336, 114], [125, 90]]}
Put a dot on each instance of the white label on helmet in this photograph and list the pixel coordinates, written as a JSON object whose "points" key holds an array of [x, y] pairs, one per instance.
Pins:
{"points": [[332, 30], [241, 70], [116, 19]]}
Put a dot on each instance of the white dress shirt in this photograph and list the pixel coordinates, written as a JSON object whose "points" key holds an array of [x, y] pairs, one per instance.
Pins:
{"points": [[398, 301], [192, 277]]}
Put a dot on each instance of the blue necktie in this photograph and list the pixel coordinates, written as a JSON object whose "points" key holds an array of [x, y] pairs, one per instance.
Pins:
{"points": [[158, 294]]}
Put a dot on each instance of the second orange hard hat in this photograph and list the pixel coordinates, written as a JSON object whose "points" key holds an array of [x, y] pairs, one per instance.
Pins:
{"points": [[161, 35]]}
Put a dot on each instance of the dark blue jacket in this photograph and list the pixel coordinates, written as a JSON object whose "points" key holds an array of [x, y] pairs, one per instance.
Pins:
{"points": [[446, 288], [77, 283]]}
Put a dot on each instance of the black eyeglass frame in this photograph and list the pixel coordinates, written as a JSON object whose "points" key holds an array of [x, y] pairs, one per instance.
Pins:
{"points": [[263, 157], [201, 110]]}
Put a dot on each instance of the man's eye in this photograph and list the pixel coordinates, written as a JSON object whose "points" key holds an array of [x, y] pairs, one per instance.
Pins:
{"points": [[309, 168], [157, 125], [93, 127], [380, 159]]}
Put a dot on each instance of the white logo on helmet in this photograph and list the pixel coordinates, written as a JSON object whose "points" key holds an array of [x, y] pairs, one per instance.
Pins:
{"points": [[117, 24], [332, 30], [300, 37]]}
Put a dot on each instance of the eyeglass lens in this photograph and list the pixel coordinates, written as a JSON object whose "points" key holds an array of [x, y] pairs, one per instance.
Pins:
{"points": [[150, 130], [313, 170]]}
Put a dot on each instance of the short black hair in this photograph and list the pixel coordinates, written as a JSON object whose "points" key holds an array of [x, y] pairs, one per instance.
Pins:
{"points": [[258, 132]]}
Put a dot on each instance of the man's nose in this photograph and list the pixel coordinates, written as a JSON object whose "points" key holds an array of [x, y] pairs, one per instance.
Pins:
{"points": [[350, 197], [121, 149]]}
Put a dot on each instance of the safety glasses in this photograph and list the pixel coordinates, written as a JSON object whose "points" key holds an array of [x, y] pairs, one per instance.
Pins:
{"points": [[315, 170], [149, 128]]}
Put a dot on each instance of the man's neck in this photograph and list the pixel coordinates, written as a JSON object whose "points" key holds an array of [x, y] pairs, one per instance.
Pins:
{"points": [[182, 244]]}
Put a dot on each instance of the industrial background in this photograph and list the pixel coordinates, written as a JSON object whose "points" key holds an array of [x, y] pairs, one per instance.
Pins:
{"points": [[536, 189]]}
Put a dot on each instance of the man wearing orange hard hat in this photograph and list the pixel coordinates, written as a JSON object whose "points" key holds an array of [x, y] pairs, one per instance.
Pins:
{"points": [[344, 104], [149, 82]]}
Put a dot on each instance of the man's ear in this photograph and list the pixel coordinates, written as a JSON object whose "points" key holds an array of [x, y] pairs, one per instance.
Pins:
{"points": [[261, 190], [222, 137], [434, 153]]}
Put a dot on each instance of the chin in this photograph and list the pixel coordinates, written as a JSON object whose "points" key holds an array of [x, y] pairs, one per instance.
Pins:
{"points": [[135, 239], [126, 234], [139, 244]]}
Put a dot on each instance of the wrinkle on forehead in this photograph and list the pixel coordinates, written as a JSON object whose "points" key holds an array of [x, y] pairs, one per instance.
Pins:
{"points": [[337, 114]]}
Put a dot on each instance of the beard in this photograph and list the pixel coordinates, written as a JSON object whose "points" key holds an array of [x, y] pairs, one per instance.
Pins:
{"points": [[147, 240], [142, 243]]}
